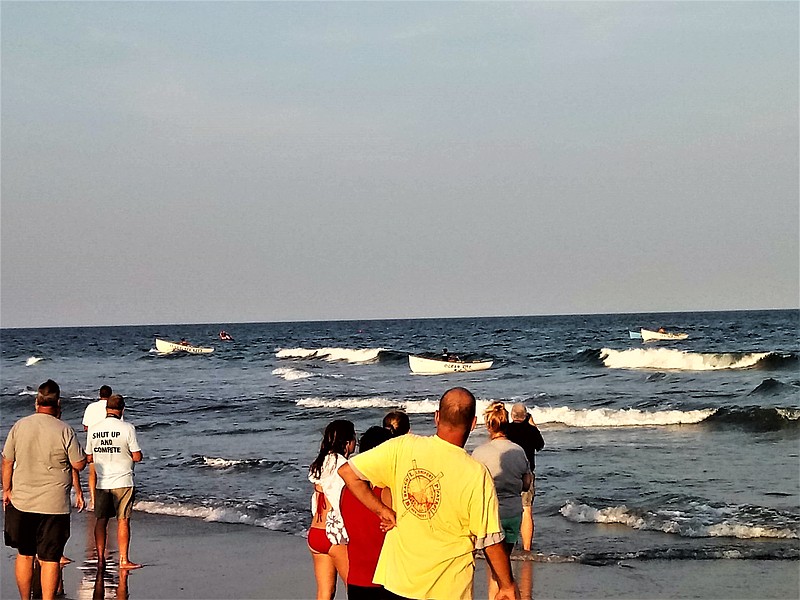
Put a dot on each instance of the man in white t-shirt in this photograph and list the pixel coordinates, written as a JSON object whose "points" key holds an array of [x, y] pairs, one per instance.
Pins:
{"points": [[113, 449], [94, 413]]}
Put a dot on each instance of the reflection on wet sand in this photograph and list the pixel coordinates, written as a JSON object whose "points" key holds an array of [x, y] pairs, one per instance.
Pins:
{"points": [[105, 579], [101, 581], [525, 579]]}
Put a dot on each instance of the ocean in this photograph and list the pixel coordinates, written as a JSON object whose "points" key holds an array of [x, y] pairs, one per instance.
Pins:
{"points": [[684, 450]]}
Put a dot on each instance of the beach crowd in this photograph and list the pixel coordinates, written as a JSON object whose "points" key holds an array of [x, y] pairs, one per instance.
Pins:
{"points": [[402, 518], [42, 459], [405, 516]]}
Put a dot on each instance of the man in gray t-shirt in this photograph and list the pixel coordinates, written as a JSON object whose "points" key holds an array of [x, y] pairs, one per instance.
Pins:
{"points": [[38, 458]]}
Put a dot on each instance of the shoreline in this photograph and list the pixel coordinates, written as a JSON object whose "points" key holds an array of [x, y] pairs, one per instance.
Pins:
{"points": [[191, 558]]}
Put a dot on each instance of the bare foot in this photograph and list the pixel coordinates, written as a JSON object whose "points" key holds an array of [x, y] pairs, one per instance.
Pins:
{"points": [[129, 565], [65, 561]]}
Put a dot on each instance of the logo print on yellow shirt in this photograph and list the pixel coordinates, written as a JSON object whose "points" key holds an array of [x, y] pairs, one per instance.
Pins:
{"points": [[422, 492]]}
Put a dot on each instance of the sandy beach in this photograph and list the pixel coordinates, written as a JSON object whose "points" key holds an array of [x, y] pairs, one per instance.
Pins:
{"points": [[191, 558]]}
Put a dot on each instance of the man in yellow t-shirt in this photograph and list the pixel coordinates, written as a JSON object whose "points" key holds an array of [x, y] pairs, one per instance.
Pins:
{"points": [[445, 508]]}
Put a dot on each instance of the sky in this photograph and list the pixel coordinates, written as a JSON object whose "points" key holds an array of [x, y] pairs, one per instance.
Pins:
{"points": [[224, 162]]}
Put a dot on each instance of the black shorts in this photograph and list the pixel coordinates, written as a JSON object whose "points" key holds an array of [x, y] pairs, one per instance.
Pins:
{"points": [[35, 534]]}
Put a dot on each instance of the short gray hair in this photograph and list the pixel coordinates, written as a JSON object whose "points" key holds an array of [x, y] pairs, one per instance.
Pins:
{"points": [[519, 412]]}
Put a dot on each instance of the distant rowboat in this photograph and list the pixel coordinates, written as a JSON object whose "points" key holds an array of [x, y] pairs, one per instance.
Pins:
{"points": [[436, 366], [648, 335], [165, 347]]}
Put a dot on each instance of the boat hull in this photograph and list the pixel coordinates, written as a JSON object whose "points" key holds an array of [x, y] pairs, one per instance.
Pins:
{"points": [[429, 366], [165, 347], [648, 336]]}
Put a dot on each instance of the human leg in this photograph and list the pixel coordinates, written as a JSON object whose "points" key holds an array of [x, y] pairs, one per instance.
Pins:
{"points": [[92, 485], [493, 587], [325, 574], [100, 528], [526, 528], [123, 508], [124, 542], [23, 571], [338, 553], [50, 572]]}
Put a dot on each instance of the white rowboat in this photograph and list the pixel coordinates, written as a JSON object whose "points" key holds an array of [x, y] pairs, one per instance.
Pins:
{"points": [[432, 366], [165, 347], [648, 335]]}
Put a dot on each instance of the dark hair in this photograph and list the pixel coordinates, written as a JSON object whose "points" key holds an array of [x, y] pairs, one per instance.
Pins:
{"points": [[397, 422], [457, 408], [374, 436], [337, 435], [115, 402], [105, 391], [48, 394]]}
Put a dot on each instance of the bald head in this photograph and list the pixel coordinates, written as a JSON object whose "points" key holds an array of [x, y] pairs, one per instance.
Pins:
{"points": [[457, 409]]}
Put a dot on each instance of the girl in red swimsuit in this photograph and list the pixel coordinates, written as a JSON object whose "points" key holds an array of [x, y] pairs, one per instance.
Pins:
{"points": [[327, 537]]}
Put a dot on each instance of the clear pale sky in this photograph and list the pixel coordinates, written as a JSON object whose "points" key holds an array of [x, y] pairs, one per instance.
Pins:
{"points": [[224, 162]]}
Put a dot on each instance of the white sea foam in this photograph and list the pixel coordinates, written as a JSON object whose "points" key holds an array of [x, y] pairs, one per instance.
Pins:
{"points": [[27, 393], [698, 520], [217, 462], [410, 406], [350, 355], [211, 514], [624, 417], [32, 360], [367, 402], [290, 374], [220, 463], [677, 360], [791, 414], [599, 417]]}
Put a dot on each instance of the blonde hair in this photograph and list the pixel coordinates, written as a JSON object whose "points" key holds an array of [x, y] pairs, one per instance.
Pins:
{"points": [[496, 417]]}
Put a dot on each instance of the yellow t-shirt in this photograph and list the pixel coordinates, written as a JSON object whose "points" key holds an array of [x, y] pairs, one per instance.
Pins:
{"points": [[446, 508]]}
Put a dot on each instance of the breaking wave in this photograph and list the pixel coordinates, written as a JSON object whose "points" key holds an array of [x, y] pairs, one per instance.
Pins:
{"points": [[752, 417], [32, 360], [679, 360], [217, 514], [290, 374], [216, 462], [625, 417], [692, 519], [349, 355], [366, 402]]}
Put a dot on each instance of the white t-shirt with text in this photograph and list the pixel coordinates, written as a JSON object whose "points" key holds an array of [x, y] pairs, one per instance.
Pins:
{"points": [[111, 443]]}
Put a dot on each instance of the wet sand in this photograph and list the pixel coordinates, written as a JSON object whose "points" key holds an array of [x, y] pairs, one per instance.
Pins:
{"points": [[190, 558]]}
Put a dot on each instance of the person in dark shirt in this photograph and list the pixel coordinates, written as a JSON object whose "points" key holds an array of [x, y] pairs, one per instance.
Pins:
{"points": [[523, 431]]}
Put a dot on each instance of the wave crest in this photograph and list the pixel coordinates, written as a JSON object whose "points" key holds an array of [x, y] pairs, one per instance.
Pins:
{"points": [[290, 374], [695, 519], [625, 417], [212, 514], [680, 360], [348, 355]]}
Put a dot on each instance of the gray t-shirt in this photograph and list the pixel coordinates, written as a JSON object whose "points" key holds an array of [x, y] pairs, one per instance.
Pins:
{"points": [[42, 448], [508, 464]]}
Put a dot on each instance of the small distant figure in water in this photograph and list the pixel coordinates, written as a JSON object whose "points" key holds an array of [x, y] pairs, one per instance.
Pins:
{"points": [[397, 423], [184, 342], [224, 335], [448, 356]]}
